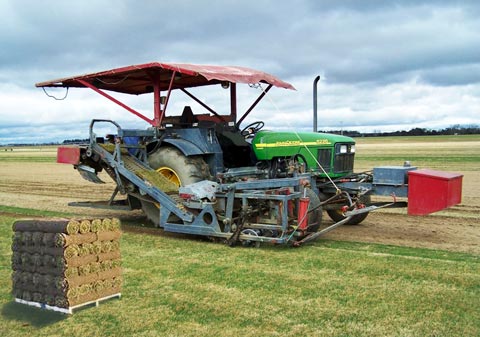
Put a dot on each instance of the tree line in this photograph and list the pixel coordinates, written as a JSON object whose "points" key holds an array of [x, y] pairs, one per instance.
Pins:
{"points": [[457, 129]]}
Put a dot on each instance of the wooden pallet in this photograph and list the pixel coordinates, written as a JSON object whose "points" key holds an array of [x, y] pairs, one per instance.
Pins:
{"points": [[68, 310]]}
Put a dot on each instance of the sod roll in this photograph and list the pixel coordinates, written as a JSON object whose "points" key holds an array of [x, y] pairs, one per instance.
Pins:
{"points": [[47, 226], [64, 240], [65, 262], [85, 226]]}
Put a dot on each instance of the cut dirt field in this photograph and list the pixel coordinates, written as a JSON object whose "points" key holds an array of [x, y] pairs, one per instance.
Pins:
{"points": [[454, 229], [29, 178]]}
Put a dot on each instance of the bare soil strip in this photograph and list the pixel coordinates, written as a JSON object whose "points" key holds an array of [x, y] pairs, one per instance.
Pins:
{"points": [[50, 186]]}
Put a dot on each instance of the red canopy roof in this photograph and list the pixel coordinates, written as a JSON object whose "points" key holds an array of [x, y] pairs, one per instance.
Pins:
{"points": [[139, 79]]}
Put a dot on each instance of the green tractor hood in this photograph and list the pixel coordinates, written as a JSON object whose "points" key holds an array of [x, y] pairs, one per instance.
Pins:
{"points": [[334, 153]]}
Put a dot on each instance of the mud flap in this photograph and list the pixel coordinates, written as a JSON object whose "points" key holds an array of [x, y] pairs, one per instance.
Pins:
{"points": [[89, 174]]}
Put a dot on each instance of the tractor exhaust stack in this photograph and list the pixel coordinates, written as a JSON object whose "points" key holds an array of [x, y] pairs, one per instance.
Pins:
{"points": [[315, 83]]}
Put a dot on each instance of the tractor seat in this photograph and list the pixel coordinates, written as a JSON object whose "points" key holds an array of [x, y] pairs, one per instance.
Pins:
{"points": [[187, 118]]}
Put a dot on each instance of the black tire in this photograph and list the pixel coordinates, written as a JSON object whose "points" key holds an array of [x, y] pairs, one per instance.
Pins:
{"points": [[178, 168], [189, 169], [336, 215], [315, 216]]}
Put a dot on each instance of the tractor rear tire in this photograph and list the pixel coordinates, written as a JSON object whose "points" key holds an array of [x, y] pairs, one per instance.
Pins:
{"points": [[336, 215], [179, 169]]}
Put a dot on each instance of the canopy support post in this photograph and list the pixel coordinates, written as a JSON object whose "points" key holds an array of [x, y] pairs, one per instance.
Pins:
{"points": [[157, 108], [114, 100], [233, 102], [264, 92], [202, 104]]}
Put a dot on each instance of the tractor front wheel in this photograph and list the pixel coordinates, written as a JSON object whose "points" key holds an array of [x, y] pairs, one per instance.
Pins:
{"points": [[337, 215]]}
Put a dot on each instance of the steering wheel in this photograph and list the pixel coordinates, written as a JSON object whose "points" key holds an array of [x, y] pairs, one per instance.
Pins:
{"points": [[255, 127]]}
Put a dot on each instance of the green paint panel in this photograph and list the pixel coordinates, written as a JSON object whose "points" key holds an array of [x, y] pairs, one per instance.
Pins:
{"points": [[271, 144]]}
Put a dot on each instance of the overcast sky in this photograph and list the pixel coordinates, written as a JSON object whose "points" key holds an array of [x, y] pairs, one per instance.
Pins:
{"points": [[385, 65]]}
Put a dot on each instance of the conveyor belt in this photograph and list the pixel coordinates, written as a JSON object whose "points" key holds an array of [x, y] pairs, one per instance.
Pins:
{"points": [[149, 175], [144, 172]]}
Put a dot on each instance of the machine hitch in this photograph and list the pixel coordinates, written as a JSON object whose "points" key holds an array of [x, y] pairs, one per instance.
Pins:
{"points": [[314, 236]]}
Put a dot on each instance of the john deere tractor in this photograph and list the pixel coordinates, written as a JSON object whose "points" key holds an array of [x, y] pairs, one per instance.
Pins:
{"points": [[207, 173]]}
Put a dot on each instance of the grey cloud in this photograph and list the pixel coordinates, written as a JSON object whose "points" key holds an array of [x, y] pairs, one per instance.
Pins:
{"points": [[351, 41], [360, 45], [391, 44]]}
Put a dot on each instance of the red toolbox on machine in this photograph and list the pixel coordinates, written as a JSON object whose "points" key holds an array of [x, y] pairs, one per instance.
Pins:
{"points": [[431, 191]]}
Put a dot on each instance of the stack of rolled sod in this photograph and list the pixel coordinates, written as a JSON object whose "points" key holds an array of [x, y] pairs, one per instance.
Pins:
{"points": [[64, 263]]}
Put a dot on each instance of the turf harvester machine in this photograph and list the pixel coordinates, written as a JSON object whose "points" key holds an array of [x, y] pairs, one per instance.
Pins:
{"points": [[208, 174]]}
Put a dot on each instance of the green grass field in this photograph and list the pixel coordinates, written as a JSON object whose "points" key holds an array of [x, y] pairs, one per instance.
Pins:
{"points": [[28, 154], [436, 152], [177, 286], [188, 287], [423, 139]]}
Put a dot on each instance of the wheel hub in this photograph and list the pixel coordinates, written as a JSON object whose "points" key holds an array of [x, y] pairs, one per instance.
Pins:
{"points": [[170, 174]]}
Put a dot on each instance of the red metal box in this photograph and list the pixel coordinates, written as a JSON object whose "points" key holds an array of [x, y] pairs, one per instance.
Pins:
{"points": [[431, 191], [68, 155]]}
